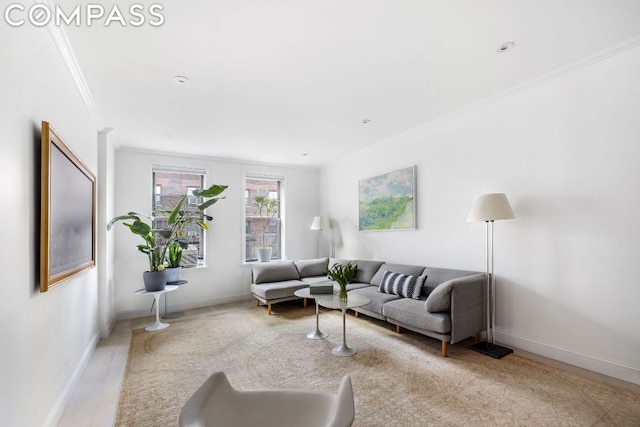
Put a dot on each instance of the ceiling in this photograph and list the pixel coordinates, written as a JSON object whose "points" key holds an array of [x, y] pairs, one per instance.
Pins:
{"points": [[292, 81]]}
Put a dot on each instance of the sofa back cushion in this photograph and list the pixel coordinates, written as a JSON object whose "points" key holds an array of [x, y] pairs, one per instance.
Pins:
{"points": [[274, 271], [404, 285], [440, 299], [411, 270], [312, 267], [366, 270], [333, 261], [436, 276]]}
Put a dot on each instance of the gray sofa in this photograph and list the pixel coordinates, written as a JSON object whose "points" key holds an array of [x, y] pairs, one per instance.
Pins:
{"points": [[450, 304]]}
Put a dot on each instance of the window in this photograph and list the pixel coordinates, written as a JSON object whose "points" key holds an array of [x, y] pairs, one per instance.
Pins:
{"points": [[169, 185], [191, 199], [259, 228]]}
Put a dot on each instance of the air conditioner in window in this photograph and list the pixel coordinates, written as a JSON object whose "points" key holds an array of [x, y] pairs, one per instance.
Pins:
{"points": [[190, 256]]}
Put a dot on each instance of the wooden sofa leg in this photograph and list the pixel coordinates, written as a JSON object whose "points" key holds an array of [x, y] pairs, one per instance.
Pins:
{"points": [[444, 348], [257, 303], [355, 313], [269, 309], [304, 302], [398, 330], [477, 338]]}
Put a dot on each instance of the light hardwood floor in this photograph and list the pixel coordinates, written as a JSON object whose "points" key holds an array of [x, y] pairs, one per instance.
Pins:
{"points": [[94, 401], [95, 398]]}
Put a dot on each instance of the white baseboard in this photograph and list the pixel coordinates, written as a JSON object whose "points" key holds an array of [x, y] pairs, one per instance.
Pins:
{"points": [[104, 333], [600, 365], [63, 399]]}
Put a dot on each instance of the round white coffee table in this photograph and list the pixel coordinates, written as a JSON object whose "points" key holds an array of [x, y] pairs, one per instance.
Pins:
{"points": [[332, 301], [158, 325], [306, 293]]}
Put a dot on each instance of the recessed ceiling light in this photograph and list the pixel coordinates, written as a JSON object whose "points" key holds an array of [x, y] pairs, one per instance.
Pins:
{"points": [[181, 80], [504, 47], [305, 154], [366, 121]]}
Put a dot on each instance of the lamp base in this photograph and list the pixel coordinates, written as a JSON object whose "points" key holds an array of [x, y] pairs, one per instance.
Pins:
{"points": [[494, 350]]}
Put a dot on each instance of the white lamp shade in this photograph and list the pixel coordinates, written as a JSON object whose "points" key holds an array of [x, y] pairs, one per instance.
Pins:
{"points": [[317, 223], [490, 207]]}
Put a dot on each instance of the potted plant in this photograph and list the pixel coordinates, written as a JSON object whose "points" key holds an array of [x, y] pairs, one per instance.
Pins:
{"points": [[174, 260], [343, 274], [267, 209], [155, 278]]}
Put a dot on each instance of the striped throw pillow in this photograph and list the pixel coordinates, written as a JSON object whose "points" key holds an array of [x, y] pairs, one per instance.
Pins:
{"points": [[403, 285]]}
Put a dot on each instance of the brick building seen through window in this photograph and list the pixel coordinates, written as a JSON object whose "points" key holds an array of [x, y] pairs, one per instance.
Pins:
{"points": [[270, 188], [169, 185]]}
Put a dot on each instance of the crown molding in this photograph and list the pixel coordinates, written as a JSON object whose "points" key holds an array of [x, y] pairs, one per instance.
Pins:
{"points": [[65, 50]]}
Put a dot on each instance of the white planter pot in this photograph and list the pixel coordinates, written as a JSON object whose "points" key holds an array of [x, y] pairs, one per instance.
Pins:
{"points": [[264, 254], [173, 274]]}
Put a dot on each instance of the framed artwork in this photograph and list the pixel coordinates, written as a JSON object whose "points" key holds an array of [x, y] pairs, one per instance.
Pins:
{"points": [[387, 202], [67, 212]]}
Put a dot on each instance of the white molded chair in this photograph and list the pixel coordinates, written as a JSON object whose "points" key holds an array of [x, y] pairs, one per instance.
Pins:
{"points": [[217, 403]]}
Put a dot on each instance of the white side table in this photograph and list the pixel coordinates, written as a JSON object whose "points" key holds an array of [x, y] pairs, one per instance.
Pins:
{"points": [[305, 293], [332, 301], [158, 325], [174, 314]]}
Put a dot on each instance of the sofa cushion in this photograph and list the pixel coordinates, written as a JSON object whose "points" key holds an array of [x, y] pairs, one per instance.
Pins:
{"points": [[412, 312], [353, 285], [315, 279], [275, 271], [275, 290], [403, 285], [312, 267], [436, 276], [376, 298], [366, 270], [440, 299], [412, 270]]}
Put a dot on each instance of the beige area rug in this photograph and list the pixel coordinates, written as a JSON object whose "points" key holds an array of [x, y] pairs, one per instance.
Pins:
{"points": [[398, 379]]}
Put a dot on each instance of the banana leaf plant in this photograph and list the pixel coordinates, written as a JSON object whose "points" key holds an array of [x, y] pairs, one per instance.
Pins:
{"points": [[178, 219]]}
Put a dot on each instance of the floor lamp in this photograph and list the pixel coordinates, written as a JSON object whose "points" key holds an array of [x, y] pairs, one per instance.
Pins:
{"points": [[490, 208], [319, 223]]}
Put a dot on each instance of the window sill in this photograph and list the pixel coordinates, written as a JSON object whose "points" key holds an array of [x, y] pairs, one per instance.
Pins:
{"points": [[258, 262]]}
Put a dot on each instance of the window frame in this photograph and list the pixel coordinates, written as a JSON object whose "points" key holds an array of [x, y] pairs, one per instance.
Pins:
{"points": [[201, 234], [248, 202]]}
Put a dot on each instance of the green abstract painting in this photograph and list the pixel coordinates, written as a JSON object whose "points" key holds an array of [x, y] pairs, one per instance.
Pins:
{"points": [[387, 202]]}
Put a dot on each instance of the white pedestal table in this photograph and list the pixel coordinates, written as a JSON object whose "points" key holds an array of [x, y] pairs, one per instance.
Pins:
{"points": [[333, 302], [157, 294], [174, 314], [306, 293]]}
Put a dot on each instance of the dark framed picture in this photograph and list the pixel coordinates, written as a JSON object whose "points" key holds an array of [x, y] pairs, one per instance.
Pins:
{"points": [[67, 212]]}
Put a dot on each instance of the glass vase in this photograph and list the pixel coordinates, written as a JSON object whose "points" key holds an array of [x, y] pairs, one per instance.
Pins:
{"points": [[342, 293]]}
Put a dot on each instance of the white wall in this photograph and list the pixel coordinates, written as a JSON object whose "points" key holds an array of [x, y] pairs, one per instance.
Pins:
{"points": [[105, 250], [46, 337], [225, 278], [566, 153]]}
